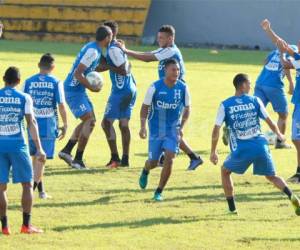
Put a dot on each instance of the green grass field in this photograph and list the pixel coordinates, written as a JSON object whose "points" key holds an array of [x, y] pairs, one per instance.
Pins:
{"points": [[104, 209]]}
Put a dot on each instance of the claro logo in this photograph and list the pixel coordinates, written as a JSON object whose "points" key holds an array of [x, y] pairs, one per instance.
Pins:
{"points": [[165, 105]]}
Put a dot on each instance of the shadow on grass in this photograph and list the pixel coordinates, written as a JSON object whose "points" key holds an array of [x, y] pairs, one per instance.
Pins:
{"points": [[200, 152], [71, 171], [130, 224], [249, 239]]}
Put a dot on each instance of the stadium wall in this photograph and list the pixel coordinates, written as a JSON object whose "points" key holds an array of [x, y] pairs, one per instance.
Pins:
{"points": [[224, 22]]}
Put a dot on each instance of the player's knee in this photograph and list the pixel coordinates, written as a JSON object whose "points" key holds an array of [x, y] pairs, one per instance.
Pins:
{"points": [[271, 178], [283, 116], [124, 128], [225, 172], [27, 185], [168, 161], [3, 187]]}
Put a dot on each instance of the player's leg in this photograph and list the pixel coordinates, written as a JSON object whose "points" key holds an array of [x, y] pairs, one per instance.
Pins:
{"points": [[195, 160], [227, 184], [110, 133], [4, 178], [165, 174], [296, 140], [126, 137], [89, 122], [149, 165]]}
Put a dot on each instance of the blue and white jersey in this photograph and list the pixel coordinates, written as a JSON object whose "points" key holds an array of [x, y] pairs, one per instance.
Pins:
{"points": [[273, 72], [296, 64], [120, 83], [90, 56], [46, 92], [242, 117], [163, 54], [14, 105], [166, 107]]}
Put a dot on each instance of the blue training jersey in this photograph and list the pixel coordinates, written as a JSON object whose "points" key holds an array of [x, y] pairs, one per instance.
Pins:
{"points": [[273, 72], [90, 56], [46, 92], [120, 83], [14, 105], [241, 115], [296, 94], [163, 54], [166, 107]]}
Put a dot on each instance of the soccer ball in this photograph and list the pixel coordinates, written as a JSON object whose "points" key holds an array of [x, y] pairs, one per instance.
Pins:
{"points": [[95, 79], [271, 137]]}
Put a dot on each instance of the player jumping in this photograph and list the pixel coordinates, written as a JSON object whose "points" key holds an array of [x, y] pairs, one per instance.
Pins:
{"points": [[241, 114]]}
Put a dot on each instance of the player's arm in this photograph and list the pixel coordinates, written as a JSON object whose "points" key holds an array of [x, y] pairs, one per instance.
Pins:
{"points": [[214, 158], [33, 129], [142, 56], [272, 125], [60, 99], [145, 111], [186, 110], [290, 80]]}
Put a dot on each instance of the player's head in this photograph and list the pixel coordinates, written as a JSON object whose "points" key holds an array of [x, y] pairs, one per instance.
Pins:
{"points": [[172, 70], [113, 25], [12, 76], [103, 35], [46, 62], [241, 83], [166, 36]]}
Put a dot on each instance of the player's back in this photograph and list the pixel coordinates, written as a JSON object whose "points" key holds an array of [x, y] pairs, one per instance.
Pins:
{"points": [[242, 117], [116, 57], [13, 105], [166, 108], [89, 55], [164, 54]]}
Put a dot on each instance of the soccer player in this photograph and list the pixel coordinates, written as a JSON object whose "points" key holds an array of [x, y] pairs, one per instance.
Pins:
{"points": [[270, 88], [167, 50], [47, 93], [121, 101], [241, 114], [75, 90], [295, 63], [168, 99], [14, 157]]}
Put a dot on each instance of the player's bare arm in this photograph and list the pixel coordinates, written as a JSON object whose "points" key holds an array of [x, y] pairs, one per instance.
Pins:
{"points": [[81, 78], [143, 117], [273, 126], [214, 142], [63, 115], [185, 117]]}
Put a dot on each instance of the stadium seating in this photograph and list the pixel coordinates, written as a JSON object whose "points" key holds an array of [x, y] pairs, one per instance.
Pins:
{"points": [[71, 20]]}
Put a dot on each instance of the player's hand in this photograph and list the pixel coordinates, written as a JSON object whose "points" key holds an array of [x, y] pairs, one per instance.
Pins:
{"points": [[143, 133], [95, 88], [282, 45], [214, 158], [41, 156], [265, 24], [121, 44], [63, 131]]}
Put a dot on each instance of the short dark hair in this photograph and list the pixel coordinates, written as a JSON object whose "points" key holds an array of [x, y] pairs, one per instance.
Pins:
{"points": [[170, 62], [169, 29], [113, 25], [239, 79], [46, 61], [12, 75], [102, 32]]}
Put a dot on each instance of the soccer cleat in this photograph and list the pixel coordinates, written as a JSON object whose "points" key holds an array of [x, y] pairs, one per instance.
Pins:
{"points": [[78, 164], [295, 178], [30, 230], [158, 197], [234, 212], [143, 181], [124, 163], [67, 158], [225, 137], [161, 160], [44, 196], [6, 231], [296, 204], [195, 163], [282, 145], [113, 164]]}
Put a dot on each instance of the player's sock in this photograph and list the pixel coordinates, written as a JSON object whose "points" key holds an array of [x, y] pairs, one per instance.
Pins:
{"points": [[125, 159], [115, 157], [145, 171], [26, 219], [298, 170], [193, 156], [158, 190], [69, 147], [288, 192], [79, 155], [4, 221], [34, 185], [40, 187], [231, 203]]}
